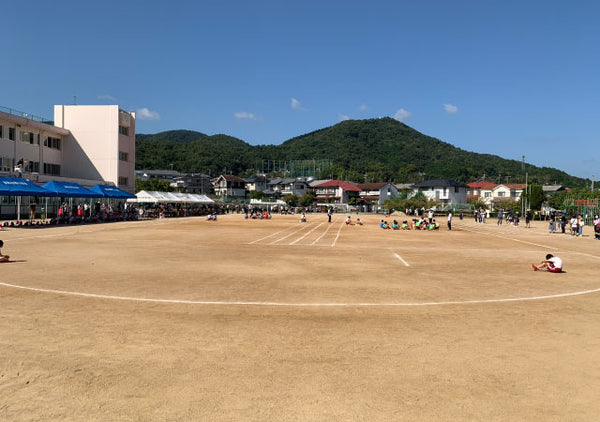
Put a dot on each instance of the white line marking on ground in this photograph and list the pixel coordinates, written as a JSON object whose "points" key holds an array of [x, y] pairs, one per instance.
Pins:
{"points": [[320, 237], [509, 238], [266, 237], [299, 304], [403, 261], [300, 238], [285, 237], [338, 235]]}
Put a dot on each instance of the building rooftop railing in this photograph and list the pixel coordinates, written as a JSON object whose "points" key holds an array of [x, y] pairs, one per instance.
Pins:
{"points": [[27, 115]]}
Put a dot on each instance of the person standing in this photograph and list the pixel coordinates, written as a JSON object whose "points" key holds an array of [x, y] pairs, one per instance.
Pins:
{"points": [[329, 212], [573, 223], [430, 216], [500, 216], [31, 212], [450, 220], [597, 227]]}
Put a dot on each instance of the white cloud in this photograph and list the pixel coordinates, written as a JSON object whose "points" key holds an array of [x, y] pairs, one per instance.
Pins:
{"points": [[402, 115], [363, 107], [244, 115], [450, 109], [107, 97], [295, 104], [343, 117], [145, 114]]}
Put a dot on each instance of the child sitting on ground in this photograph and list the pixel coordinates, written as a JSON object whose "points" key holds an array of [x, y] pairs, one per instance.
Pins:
{"points": [[3, 258]]}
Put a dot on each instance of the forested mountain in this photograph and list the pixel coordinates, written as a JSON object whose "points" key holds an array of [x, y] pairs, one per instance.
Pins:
{"points": [[359, 150]]}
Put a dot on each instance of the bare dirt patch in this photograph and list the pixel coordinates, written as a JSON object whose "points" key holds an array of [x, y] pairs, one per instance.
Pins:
{"points": [[330, 326]]}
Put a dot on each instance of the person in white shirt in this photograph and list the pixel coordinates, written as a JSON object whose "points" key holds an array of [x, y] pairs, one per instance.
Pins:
{"points": [[552, 264]]}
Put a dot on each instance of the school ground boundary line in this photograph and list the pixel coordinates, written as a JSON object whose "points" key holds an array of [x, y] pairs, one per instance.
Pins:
{"points": [[298, 304], [530, 243], [508, 238]]}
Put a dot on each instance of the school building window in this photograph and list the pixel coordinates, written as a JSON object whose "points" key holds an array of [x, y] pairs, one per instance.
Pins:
{"points": [[51, 142], [52, 169], [11, 133], [488, 194], [123, 181], [32, 166], [124, 130], [123, 156], [1, 132], [500, 194], [6, 164], [30, 138]]}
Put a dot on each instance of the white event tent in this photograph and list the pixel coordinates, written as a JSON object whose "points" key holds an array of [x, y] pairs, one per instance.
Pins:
{"points": [[155, 197]]}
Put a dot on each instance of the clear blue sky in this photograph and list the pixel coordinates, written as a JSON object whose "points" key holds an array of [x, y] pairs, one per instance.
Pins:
{"points": [[509, 78]]}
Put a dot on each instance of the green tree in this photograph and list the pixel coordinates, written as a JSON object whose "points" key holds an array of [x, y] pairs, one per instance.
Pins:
{"points": [[307, 200], [477, 203], [535, 196], [256, 194], [557, 200], [153, 184], [291, 200]]}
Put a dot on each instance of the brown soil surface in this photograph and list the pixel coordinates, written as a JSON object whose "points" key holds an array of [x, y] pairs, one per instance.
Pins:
{"points": [[285, 321]]}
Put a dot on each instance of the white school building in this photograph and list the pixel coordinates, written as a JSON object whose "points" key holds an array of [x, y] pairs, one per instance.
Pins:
{"points": [[85, 144]]}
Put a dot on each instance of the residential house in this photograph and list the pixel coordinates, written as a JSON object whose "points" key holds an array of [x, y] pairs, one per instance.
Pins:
{"points": [[550, 189], [288, 186], [336, 192], [258, 183], [481, 190], [373, 195], [193, 183], [444, 191], [229, 186], [507, 191]]}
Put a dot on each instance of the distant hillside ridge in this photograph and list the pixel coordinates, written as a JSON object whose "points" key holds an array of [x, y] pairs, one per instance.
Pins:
{"points": [[369, 150]]}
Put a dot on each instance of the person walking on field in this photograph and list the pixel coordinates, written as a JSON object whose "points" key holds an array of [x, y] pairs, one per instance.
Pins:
{"points": [[552, 264], [450, 220]]}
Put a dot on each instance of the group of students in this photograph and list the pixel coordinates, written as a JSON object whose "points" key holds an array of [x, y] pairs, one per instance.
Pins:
{"points": [[350, 223], [415, 224]]}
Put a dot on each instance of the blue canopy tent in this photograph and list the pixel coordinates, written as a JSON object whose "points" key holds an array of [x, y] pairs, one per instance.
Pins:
{"points": [[12, 186], [108, 191], [69, 190]]}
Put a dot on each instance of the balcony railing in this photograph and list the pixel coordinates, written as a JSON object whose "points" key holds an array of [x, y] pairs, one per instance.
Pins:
{"points": [[27, 115]]}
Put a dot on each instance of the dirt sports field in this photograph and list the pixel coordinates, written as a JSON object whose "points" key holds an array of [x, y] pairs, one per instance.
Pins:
{"points": [[235, 320]]}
